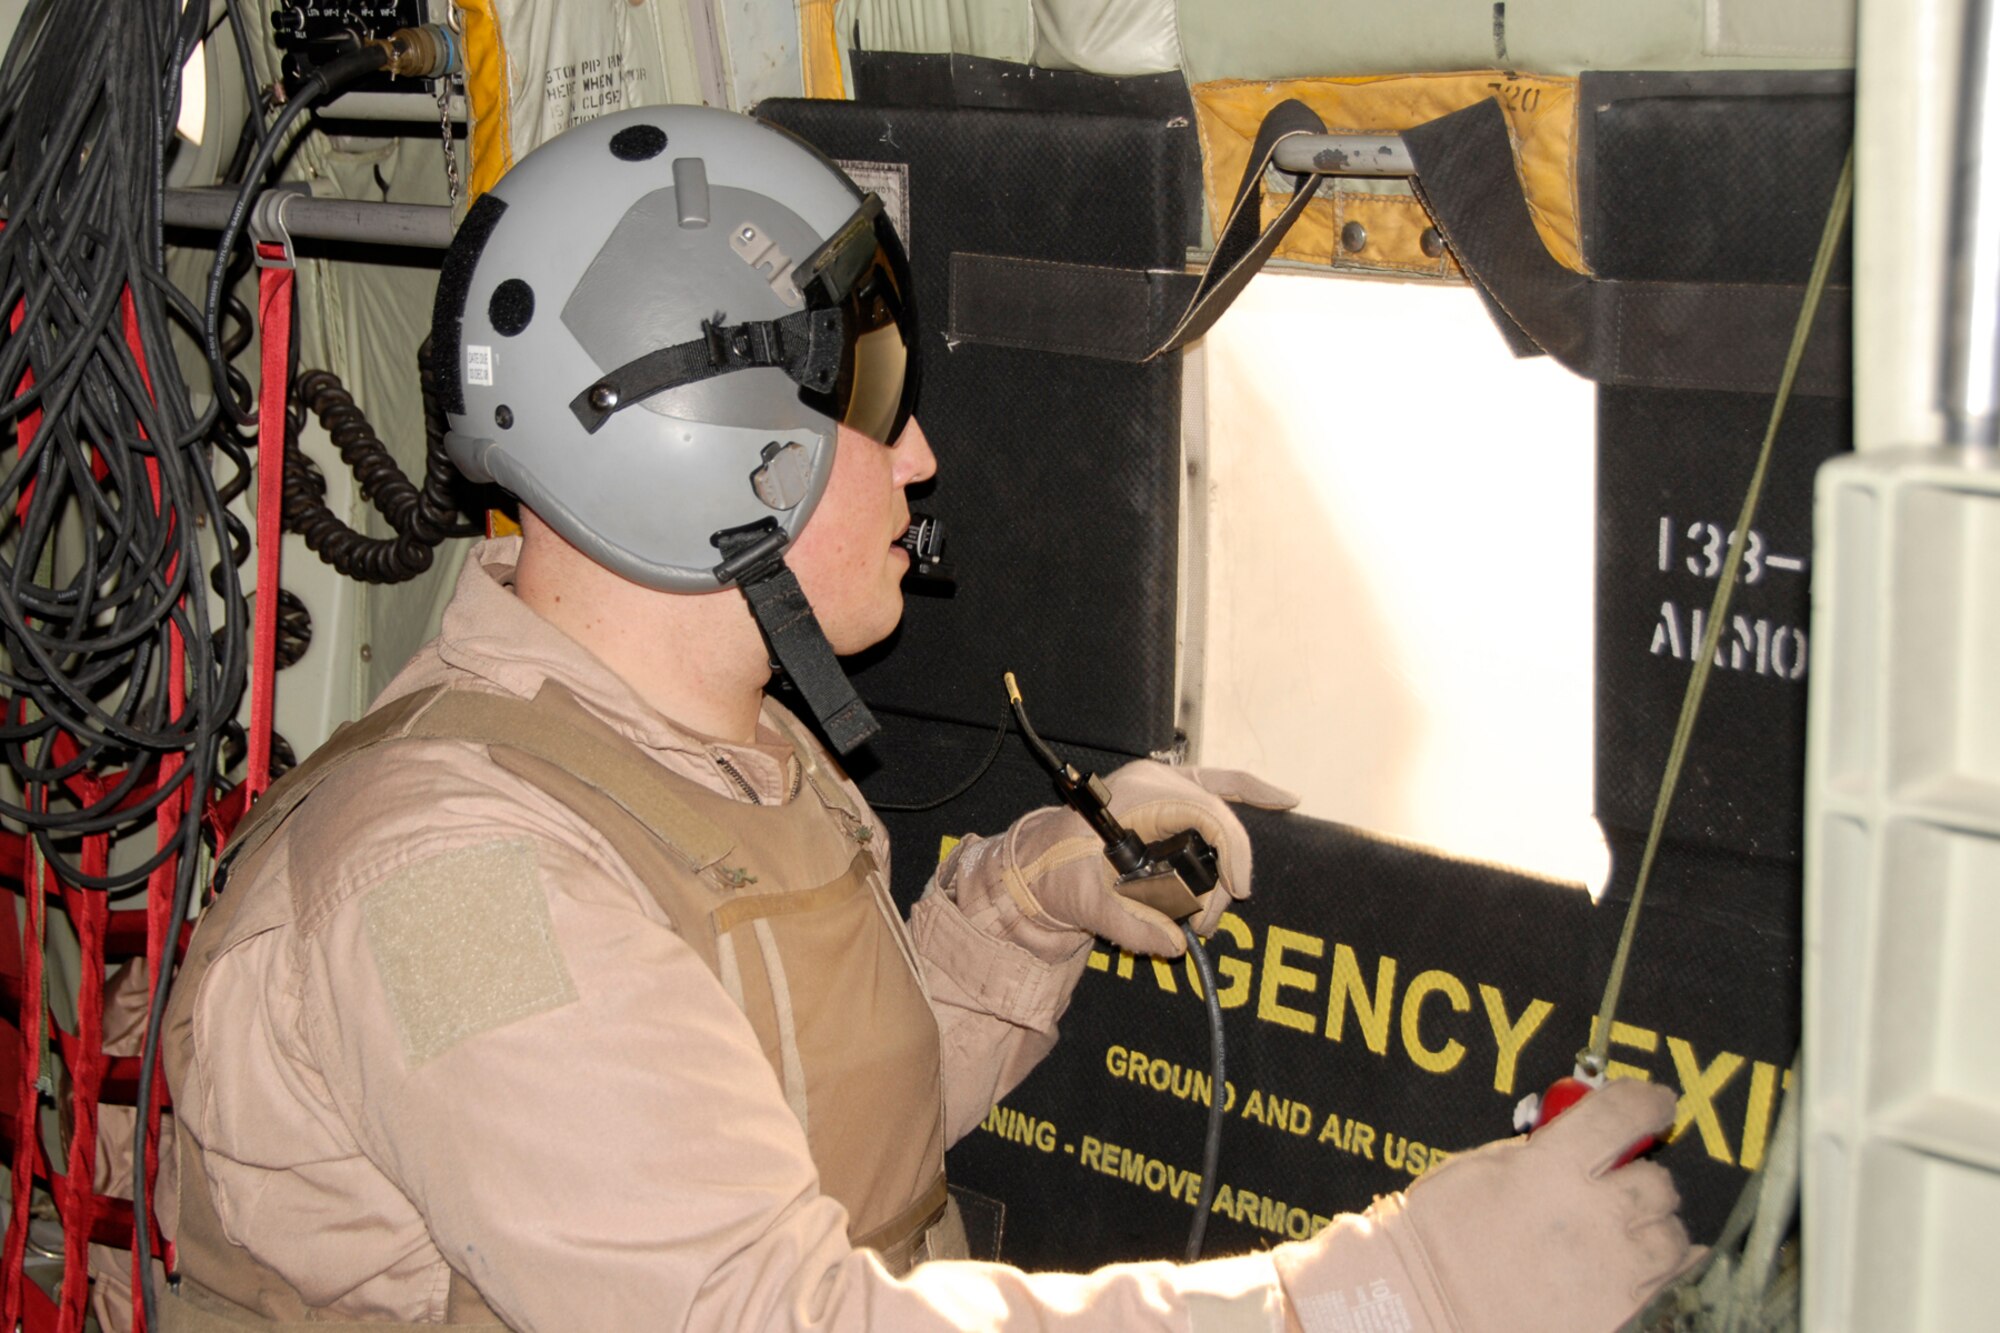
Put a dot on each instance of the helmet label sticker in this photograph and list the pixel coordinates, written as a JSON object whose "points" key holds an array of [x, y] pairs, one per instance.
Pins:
{"points": [[479, 365]]}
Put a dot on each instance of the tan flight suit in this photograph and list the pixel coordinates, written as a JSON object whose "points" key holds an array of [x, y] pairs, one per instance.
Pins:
{"points": [[541, 1008]]}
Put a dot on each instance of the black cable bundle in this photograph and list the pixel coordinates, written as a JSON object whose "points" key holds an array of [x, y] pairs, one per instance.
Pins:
{"points": [[103, 615], [94, 572], [103, 510]]}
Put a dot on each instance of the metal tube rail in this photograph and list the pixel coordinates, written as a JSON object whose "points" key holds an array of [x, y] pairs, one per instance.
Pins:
{"points": [[427, 226], [1344, 155], [410, 108]]}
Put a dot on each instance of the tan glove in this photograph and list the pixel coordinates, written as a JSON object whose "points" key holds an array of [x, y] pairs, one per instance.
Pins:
{"points": [[1526, 1236], [1054, 870]]}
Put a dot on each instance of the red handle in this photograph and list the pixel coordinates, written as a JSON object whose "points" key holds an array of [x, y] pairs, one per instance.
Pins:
{"points": [[1567, 1092]]}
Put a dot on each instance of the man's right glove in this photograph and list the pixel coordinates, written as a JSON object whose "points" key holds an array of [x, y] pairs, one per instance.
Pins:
{"points": [[1054, 871], [1527, 1236]]}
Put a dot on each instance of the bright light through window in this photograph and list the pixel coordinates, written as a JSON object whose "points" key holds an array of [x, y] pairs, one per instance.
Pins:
{"points": [[1398, 602]]}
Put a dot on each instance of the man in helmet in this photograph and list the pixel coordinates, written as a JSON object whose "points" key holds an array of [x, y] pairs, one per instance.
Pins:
{"points": [[565, 989]]}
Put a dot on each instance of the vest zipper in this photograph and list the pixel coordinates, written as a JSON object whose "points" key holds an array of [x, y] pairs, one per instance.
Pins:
{"points": [[742, 783], [731, 772]]}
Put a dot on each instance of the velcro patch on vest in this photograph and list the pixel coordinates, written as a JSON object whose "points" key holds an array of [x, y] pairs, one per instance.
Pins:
{"points": [[465, 944]]}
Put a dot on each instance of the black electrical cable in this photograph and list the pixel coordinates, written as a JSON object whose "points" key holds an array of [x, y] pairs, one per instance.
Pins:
{"points": [[117, 666], [1068, 779], [92, 566], [1048, 758], [253, 120], [335, 74], [239, 32], [992, 753], [329, 77], [421, 517], [1218, 1088]]}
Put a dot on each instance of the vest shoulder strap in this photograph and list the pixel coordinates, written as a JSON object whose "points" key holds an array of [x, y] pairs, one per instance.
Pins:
{"points": [[553, 727], [350, 738], [558, 730]]}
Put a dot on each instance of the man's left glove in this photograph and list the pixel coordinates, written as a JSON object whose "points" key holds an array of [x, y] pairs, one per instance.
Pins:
{"points": [[1055, 872]]}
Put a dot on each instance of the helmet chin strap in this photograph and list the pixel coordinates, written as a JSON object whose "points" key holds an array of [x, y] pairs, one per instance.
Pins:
{"points": [[753, 558]]}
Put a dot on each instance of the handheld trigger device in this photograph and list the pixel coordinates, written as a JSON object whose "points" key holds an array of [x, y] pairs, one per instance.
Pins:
{"points": [[1168, 874], [1535, 1111]]}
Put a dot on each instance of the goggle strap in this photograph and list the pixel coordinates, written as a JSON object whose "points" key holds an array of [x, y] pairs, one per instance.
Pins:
{"points": [[756, 563], [807, 346]]}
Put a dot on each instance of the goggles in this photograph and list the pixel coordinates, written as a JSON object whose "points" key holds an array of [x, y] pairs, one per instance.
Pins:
{"points": [[851, 350]]}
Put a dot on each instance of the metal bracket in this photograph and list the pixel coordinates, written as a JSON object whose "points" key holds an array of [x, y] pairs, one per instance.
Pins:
{"points": [[267, 222]]}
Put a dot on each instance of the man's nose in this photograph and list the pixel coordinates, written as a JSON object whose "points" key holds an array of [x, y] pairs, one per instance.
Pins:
{"points": [[914, 460]]}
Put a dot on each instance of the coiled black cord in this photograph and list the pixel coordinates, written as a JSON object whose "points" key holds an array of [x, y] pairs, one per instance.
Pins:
{"points": [[965, 785], [421, 517]]}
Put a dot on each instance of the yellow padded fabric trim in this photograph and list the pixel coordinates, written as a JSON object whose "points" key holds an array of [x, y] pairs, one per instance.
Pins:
{"points": [[819, 49], [464, 944], [488, 96], [1541, 121]]}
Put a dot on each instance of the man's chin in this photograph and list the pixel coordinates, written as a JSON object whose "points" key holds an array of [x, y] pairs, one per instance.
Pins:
{"points": [[859, 638], [891, 619]]}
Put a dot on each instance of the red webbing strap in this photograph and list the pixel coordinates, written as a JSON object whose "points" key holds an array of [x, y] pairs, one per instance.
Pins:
{"points": [[161, 936], [38, 1312], [27, 1112], [76, 1201], [274, 325], [86, 1216]]}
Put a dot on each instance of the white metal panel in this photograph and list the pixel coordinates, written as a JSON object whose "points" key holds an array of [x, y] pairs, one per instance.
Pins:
{"points": [[1903, 896]]}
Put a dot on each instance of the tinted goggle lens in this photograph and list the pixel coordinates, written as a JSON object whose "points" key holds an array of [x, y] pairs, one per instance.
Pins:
{"points": [[861, 270]]}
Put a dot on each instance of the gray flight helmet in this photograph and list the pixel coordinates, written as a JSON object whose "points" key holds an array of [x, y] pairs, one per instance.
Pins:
{"points": [[660, 233]]}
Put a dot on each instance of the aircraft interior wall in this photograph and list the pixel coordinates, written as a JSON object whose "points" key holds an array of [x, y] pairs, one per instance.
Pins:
{"points": [[1426, 528]]}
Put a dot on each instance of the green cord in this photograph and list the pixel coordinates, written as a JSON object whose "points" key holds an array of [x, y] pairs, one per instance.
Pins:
{"points": [[1597, 1056]]}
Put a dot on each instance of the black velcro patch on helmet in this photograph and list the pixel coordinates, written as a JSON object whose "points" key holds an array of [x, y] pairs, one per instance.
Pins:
{"points": [[636, 143], [454, 282], [511, 306]]}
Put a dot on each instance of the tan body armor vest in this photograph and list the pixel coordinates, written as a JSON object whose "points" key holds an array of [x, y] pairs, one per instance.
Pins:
{"points": [[786, 904]]}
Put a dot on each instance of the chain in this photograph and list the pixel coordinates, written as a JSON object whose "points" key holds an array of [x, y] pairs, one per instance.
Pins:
{"points": [[452, 185]]}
